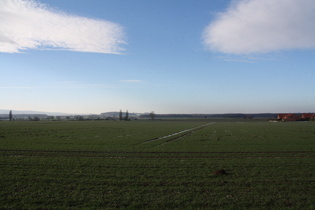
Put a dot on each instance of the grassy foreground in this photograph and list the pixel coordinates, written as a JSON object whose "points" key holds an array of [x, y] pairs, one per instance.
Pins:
{"points": [[105, 164]]}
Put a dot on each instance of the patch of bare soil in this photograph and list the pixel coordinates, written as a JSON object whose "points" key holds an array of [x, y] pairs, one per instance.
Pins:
{"points": [[220, 172]]}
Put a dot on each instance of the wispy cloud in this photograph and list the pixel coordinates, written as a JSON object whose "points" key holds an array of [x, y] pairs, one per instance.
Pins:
{"points": [[131, 81], [63, 85], [261, 26], [27, 24], [68, 82], [19, 87], [80, 85]]}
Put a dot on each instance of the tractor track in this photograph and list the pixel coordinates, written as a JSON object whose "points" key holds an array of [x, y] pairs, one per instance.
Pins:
{"points": [[178, 135], [156, 155], [153, 152]]}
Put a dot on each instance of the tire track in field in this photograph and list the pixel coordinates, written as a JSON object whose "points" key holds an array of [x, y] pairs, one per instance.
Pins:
{"points": [[155, 152], [157, 155], [179, 134]]}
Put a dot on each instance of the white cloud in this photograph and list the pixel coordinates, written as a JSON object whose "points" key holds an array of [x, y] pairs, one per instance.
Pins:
{"points": [[261, 26], [27, 24]]}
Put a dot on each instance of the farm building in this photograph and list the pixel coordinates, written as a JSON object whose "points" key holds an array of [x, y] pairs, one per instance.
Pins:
{"points": [[308, 116], [296, 117], [280, 117]]}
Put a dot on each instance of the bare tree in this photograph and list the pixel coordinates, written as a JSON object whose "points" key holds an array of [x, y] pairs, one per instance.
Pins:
{"points": [[127, 115], [10, 115], [152, 115], [120, 115]]}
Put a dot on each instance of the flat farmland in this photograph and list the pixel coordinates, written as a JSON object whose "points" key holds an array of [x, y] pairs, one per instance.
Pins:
{"points": [[157, 164]]}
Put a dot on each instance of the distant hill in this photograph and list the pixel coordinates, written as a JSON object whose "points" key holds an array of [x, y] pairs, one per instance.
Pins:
{"points": [[4, 114], [22, 116], [205, 116]]}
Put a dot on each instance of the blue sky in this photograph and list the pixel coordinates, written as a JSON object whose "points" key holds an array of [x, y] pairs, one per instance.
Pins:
{"points": [[166, 56]]}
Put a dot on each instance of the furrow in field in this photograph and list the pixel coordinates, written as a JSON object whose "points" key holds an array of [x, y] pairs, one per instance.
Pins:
{"points": [[150, 152], [159, 155]]}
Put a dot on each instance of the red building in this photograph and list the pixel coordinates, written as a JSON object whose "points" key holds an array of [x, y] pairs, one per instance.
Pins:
{"points": [[308, 116], [296, 117]]}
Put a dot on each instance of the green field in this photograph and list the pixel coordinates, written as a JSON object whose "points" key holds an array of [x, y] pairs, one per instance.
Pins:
{"points": [[157, 164]]}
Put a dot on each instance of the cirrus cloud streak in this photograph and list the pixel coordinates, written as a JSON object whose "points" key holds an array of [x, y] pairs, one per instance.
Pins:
{"points": [[27, 24], [262, 26]]}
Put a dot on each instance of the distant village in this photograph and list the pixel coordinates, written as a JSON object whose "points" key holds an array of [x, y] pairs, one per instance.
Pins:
{"points": [[282, 117], [38, 117], [296, 117]]}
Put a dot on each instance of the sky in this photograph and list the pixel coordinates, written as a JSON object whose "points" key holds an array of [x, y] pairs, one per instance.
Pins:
{"points": [[166, 56]]}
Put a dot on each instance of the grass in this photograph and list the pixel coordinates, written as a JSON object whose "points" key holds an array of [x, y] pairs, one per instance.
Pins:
{"points": [[113, 165]]}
